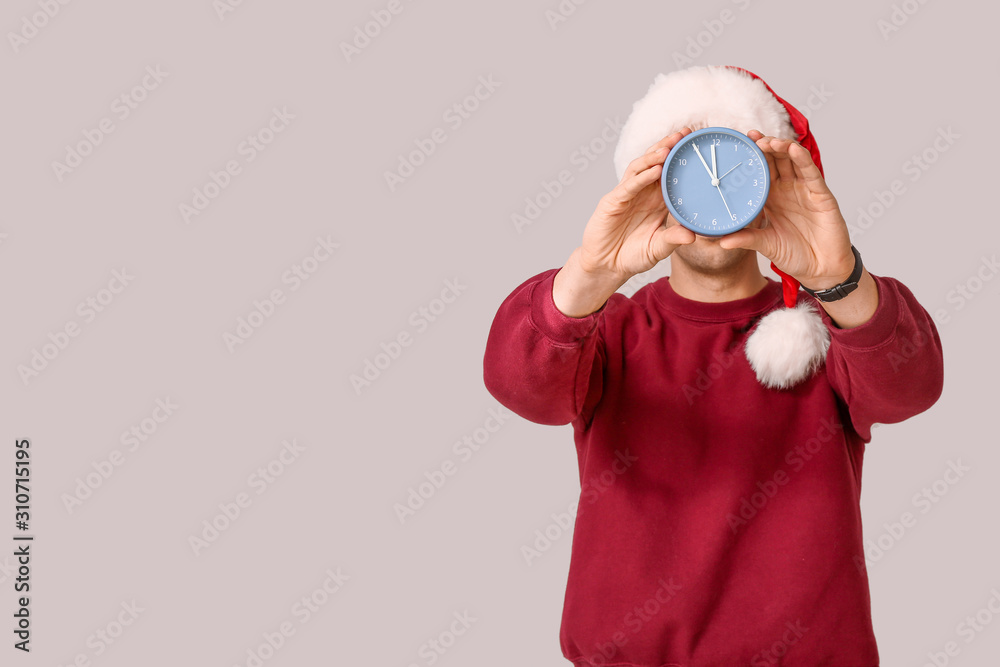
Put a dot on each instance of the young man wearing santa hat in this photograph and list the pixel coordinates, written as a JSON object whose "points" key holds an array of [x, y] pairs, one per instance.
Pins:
{"points": [[744, 404]]}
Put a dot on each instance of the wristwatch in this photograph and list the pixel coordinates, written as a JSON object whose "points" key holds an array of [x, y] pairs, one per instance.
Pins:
{"points": [[838, 292]]}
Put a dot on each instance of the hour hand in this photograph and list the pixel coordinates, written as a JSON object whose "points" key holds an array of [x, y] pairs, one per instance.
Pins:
{"points": [[710, 174]]}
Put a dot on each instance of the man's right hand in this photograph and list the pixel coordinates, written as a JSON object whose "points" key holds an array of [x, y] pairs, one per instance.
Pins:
{"points": [[629, 233]]}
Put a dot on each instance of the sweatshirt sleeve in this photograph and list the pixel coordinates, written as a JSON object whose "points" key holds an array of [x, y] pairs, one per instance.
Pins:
{"points": [[891, 367], [540, 363]]}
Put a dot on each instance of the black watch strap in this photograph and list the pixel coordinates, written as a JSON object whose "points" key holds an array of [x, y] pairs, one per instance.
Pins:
{"points": [[838, 292]]}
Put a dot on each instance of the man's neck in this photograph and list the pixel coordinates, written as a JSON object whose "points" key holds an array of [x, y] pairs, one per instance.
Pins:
{"points": [[742, 281]]}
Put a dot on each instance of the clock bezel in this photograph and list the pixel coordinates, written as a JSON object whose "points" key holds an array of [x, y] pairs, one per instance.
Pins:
{"points": [[736, 134]]}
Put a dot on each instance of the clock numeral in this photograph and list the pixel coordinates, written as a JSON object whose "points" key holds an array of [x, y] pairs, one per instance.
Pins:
{"points": [[680, 201], [695, 216], [750, 203], [714, 221], [734, 218], [751, 161], [736, 147], [754, 181], [675, 182], [683, 161], [717, 142]]}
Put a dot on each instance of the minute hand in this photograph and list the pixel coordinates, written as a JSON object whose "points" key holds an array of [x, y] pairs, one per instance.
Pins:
{"points": [[710, 174], [731, 216]]}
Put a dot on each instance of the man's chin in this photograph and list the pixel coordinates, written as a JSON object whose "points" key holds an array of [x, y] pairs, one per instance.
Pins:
{"points": [[706, 254]]}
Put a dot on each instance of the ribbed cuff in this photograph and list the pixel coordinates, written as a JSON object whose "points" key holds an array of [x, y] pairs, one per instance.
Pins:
{"points": [[879, 329], [552, 322]]}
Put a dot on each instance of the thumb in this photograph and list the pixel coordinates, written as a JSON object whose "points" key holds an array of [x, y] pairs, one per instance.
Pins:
{"points": [[666, 239], [761, 240]]}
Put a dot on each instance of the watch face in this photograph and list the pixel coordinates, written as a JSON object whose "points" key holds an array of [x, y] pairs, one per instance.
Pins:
{"points": [[715, 181]]}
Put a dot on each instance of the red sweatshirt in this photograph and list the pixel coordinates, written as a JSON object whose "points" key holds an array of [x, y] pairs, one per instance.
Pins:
{"points": [[719, 521]]}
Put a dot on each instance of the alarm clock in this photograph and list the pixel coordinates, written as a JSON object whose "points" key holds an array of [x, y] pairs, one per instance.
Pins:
{"points": [[715, 181]]}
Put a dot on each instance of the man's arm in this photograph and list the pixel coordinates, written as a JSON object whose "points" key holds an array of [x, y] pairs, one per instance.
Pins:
{"points": [[885, 359], [542, 359], [857, 307], [540, 362], [890, 367]]}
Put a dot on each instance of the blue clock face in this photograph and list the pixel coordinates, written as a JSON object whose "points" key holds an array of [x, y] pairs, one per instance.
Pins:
{"points": [[715, 181]]}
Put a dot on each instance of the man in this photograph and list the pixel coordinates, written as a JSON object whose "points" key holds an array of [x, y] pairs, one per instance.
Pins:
{"points": [[719, 520]]}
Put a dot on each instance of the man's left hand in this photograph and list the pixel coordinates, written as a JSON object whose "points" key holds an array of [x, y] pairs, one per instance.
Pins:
{"points": [[807, 237]]}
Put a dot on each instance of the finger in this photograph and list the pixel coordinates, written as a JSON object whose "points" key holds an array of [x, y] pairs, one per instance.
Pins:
{"points": [[806, 170], [659, 149], [761, 240], [666, 239], [645, 161], [671, 139], [755, 135], [631, 186], [778, 149], [771, 167]]}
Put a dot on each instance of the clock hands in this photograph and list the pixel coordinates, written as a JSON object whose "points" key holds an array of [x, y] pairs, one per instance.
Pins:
{"points": [[713, 174], [731, 216], [730, 171], [710, 174], [715, 182]]}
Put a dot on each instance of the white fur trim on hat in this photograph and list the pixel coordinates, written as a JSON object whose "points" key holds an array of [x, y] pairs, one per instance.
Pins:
{"points": [[787, 345], [700, 97]]}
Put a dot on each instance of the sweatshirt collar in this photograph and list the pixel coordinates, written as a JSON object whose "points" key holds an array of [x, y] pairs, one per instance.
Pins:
{"points": [[722, 311]]}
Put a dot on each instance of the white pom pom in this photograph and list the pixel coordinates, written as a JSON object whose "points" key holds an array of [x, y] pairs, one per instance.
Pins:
{"points": [[788, 345]]}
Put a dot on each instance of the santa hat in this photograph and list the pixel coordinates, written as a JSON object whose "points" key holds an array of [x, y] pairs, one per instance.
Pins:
{"points": [[788, 344]]}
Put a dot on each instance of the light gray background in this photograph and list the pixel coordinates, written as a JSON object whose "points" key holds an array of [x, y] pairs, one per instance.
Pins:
{"points": [[324, 176]]}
